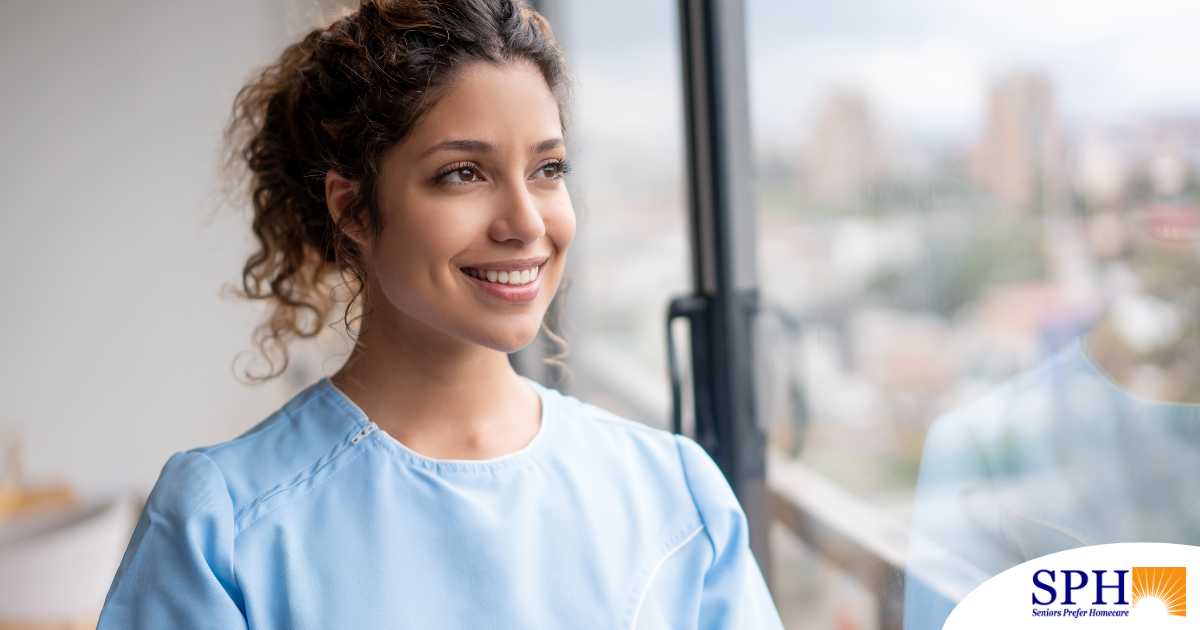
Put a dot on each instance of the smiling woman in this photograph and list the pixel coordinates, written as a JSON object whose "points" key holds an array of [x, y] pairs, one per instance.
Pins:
{"points": [[476, 186], [414, 151]]}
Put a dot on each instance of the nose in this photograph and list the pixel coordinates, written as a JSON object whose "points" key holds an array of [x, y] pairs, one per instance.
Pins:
{"points": [[518, 219]]}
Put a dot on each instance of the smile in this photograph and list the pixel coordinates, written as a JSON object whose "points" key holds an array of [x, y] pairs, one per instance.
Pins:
{"points": [[512, 278]]}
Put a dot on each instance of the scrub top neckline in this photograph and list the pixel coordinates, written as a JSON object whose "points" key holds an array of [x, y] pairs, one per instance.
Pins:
{"points": [[458, 465]]}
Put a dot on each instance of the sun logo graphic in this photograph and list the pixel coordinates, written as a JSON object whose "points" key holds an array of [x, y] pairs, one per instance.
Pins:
{"points": [[1160, 589]]}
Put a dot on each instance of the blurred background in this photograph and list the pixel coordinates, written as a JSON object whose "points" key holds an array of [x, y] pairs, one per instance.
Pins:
{"points": [[948, 193]]}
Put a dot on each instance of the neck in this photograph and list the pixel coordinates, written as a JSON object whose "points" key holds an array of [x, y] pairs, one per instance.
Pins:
{"points": [[440, 396], [1169, 373]]}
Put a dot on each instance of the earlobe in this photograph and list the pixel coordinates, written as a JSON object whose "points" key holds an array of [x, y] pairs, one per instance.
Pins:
{"points": [[340, 195]]}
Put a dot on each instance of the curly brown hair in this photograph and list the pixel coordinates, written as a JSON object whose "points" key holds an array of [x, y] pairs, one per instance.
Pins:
{"points": [[338, 100]]}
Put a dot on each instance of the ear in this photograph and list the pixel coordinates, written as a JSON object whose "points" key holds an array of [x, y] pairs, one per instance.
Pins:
{"points": [[340, 193]]}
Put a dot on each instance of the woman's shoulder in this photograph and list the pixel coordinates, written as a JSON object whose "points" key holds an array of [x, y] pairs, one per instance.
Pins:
{"points": [[601, 432], [652, 457], [275, 452]]}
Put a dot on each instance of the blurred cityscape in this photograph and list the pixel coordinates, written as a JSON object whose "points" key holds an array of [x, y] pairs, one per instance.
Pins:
{"points": [[900, 279], [905, 279], [923, 277]]}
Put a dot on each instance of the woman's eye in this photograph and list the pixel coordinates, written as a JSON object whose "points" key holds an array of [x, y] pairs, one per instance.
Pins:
{"points": [[550, 171], [464, 174]]}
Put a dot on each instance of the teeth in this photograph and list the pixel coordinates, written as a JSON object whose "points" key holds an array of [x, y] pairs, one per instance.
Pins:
{"points": [[512, 278]]}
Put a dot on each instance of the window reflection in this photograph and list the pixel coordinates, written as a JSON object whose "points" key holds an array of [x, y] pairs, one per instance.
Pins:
{"points": [[978, 239], [1100, 443]]}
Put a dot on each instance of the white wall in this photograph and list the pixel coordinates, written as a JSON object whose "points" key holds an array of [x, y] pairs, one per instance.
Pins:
{"points": [[116, 346]]}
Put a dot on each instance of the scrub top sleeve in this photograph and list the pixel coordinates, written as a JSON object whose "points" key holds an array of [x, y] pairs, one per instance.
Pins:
{"points": [[734, 592], [178, 570]]}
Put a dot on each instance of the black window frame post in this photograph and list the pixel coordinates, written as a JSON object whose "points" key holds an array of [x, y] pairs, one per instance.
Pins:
{"points": [[722, 230]]}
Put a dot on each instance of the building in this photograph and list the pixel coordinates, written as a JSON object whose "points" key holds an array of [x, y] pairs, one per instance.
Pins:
{"points": [[1021, 159]]}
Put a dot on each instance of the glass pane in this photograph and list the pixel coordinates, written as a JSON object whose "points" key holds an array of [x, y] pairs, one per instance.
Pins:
{"points": [[978, 228], [630, 254]]}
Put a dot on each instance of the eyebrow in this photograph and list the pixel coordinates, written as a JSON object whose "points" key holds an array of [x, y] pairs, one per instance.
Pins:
{"points": [[479, 146], [474, 146], [546, 145]]}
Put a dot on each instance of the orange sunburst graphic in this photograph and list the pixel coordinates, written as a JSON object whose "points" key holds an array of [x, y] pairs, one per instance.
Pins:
{"points": [[1167, 584]]}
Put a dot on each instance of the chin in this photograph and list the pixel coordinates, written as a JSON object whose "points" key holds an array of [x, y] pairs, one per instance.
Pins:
{"points": [[508, 345], [506, 339]]}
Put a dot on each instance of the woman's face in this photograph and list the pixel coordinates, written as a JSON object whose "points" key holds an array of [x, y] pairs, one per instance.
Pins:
{"points": [[477, 219]]}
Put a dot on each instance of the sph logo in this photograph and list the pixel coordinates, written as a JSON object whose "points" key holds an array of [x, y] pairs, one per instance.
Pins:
{"points": [[1046, 581]]}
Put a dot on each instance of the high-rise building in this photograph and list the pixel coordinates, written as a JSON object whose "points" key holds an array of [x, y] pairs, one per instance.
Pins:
{"points": [[1021, 159], [843, 154]]}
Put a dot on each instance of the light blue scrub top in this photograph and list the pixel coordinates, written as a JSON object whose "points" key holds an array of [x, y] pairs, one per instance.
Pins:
{"points": [[317, 519]]}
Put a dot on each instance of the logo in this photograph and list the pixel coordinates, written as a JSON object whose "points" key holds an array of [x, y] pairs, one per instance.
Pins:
{"points": [[1126, 585], [1161, 587]]}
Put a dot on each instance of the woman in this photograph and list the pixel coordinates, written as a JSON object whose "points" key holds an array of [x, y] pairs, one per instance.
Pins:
{"points": [[415, 148]]}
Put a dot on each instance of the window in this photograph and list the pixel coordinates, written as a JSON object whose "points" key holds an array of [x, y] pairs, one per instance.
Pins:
{"points": [[978, 217]]}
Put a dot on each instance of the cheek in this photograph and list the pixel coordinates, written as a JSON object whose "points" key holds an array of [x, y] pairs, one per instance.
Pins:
{"points": [[419, 243], [411, 270]]}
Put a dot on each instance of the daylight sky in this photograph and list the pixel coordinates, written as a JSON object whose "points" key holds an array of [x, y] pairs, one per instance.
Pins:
{"points": [[925, 66]]}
